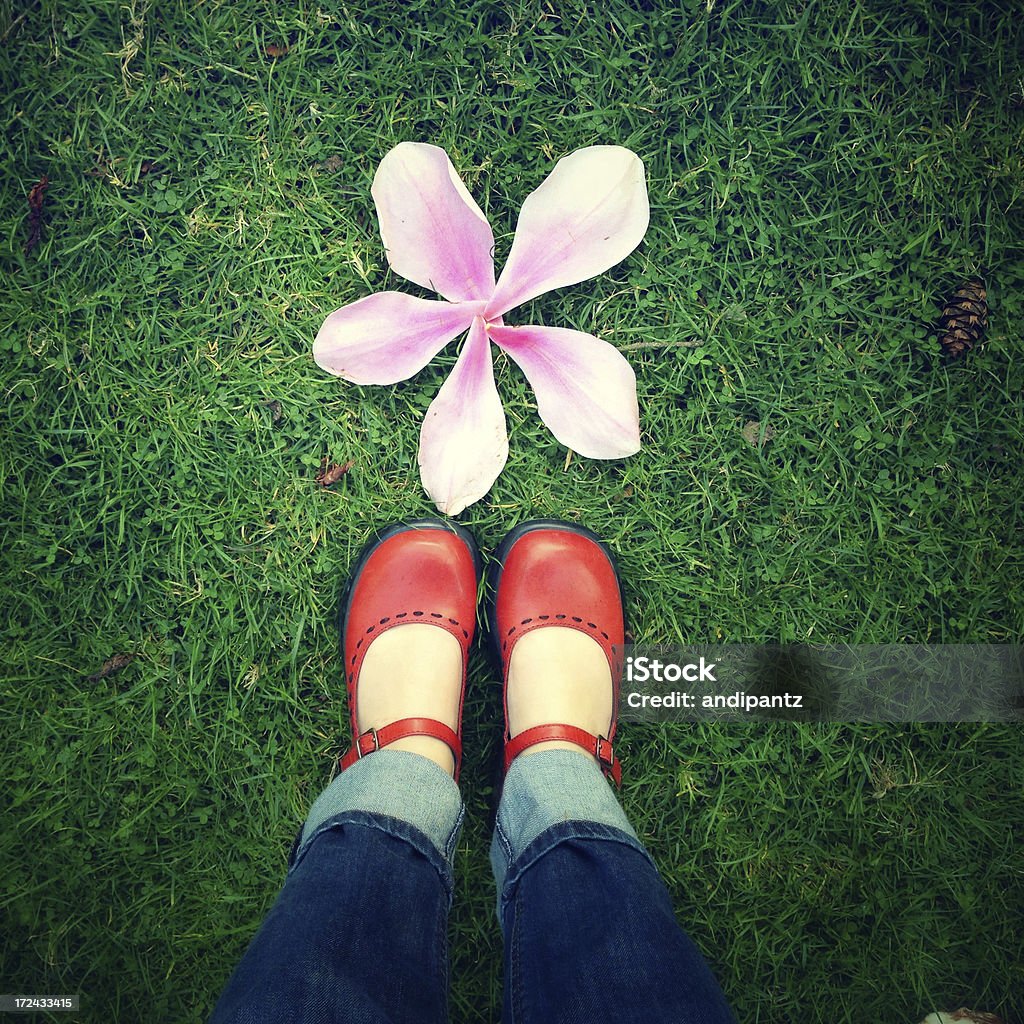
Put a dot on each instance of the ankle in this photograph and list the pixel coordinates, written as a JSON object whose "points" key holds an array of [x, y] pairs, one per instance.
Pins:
{"points": [[426, 746], [539, 748]]}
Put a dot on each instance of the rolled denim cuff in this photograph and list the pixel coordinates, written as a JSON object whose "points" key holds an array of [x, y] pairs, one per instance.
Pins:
{"points": [[548, 788], [394, 784]]}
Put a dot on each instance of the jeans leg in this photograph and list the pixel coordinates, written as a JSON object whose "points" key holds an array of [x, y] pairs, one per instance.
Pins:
{"points": [[359, 932], [589, 928]]}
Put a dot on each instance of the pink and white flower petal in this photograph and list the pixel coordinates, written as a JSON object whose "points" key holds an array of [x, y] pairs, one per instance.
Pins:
{"points": [[586, 391], [463, 441], [434, 233], [588, 214], [388, 337]]}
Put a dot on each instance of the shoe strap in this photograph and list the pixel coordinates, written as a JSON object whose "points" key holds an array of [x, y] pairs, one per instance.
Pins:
{"points": [[600, 747], [375, 739]]}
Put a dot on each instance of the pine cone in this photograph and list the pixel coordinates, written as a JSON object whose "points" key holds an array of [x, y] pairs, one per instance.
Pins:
{"points": [[964, 319]]}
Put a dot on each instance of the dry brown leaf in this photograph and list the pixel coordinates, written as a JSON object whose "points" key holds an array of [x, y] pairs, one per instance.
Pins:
{"points": [[112, 665], [275, 50], [332, 474], [752, 433], [35, 213]]}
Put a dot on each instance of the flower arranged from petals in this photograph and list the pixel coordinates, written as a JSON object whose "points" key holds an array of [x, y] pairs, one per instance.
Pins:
{"points": [[586, 216]]}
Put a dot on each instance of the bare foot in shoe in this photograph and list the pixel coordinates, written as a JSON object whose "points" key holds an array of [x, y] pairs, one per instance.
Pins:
{"points": [[412, 671], [559, 675]]}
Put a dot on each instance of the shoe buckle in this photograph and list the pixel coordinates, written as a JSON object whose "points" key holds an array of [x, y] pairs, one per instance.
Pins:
{"points": [[360, 752], [603, 752]]}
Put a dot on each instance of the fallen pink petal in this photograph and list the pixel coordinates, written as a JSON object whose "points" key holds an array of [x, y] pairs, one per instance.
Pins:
{"points": [[586, 391], [387, 337], [434, 233], [463, 441], [589, 214]]}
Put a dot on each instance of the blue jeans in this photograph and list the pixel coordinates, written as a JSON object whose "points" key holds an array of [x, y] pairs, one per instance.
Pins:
{"points": [[359, 931]]}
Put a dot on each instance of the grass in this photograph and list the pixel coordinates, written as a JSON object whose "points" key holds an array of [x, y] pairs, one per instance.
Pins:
{"points": [[821, 176]]}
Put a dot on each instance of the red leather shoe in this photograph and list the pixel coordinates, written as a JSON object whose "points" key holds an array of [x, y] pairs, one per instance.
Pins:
{"points": [[423, 571], [551, 573]]}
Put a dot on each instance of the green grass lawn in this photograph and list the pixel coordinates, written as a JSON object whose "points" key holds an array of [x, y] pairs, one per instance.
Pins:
{"points": [[821, 175]]}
